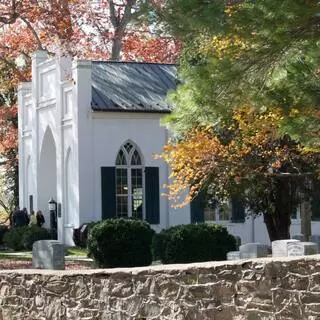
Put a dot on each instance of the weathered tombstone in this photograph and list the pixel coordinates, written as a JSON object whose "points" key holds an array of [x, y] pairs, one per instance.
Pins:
{"points": [[253, 250], [302, 248], [48, 254], [295, 249], [298, 237], [279, 247], [316, 238], [233, 255]]}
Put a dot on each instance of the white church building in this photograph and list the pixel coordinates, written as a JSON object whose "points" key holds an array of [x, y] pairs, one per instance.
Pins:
{"points": [[88, 131]]}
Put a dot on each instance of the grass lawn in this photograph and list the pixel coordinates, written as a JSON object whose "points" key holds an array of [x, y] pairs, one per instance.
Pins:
{"points": [[76, 251], [69, 252], [23, 259]]}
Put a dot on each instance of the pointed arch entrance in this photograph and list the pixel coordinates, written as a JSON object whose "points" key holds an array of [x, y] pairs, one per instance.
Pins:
{"points": [[47, 174]]}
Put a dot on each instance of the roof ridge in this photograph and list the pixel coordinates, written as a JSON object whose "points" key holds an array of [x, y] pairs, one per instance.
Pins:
{"points": [[132, 62]]}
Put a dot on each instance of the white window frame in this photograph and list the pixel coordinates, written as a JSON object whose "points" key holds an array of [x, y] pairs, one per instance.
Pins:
{"points": [[128, 167], [217, 215]]}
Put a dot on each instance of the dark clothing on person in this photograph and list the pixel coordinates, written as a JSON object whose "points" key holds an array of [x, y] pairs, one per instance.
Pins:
{"points": [[40, 218], [20, 218]]}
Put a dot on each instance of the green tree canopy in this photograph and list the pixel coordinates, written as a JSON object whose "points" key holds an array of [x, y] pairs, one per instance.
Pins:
{"points": [[263, 54], [249, 74]]}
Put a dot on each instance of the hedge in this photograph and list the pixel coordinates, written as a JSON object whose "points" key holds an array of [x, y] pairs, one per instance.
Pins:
{"points": [[193, 243], [22, 238], [120, 243]]}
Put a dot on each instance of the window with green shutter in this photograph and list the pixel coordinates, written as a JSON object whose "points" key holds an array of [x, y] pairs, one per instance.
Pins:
{"points": [[237, 210], [152, 195], [129, 189], [197, 207], [108, 192]]}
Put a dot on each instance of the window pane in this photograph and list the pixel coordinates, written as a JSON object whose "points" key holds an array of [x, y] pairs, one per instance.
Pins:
{"points": [[209, 213], [122, 181], [217, 211], [122, 192], [224, 211], [121, 159], [122, 206], [128, 146], [136, 160], [137, 193]]}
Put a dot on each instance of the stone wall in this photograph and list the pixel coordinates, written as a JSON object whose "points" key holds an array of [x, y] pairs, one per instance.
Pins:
{"points": [[287, 288]]}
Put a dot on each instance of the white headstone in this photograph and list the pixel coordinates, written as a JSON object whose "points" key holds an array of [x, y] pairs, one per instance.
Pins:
{"points": [[295, 249], [253, 250], [48, 254], [279, 247], [233, 255], [302, 248]]}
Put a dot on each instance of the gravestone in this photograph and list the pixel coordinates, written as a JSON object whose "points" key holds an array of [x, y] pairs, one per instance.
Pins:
{"points": [[253, 250], [48, 254], [316, 238], [233, 255], [279, 247], [302, 248]]}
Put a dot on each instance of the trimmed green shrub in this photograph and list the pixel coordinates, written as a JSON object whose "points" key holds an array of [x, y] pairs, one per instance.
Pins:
{"points": [[3, 230], [12, 238], [158, 245], [22, 238], [32, 234], [193, 243], [120, 243]]}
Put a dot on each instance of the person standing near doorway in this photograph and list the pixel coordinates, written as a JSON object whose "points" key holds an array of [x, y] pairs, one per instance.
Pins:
{"points": [[40, 218], [33, 219]]}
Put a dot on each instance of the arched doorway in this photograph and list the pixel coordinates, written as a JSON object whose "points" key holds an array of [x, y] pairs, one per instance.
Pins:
{"points": [[47, 174]]}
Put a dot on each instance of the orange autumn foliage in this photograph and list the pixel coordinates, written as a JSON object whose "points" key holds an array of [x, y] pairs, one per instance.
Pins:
{"points": [[80, 28], [227, 158]]}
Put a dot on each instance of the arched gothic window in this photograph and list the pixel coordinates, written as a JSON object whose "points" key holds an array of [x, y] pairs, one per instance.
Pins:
{"points": [[129, 182]]}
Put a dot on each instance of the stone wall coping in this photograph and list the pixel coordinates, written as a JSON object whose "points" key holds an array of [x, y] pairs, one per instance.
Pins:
{"points": [[160, 268]]}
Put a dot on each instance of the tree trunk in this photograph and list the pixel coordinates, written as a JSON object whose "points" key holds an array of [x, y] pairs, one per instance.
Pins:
{"points": [[278, 223], [116, 48]]}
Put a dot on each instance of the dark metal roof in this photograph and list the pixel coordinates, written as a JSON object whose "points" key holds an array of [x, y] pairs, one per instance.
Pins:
{"points": [[131, 86]]}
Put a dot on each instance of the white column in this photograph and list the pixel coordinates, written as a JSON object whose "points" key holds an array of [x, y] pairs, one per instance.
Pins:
{"points": [[63, 68], [23, 89], [37, 58], [83, 144]]}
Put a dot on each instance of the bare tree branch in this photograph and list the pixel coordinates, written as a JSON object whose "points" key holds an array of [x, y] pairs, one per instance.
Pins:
{"points": [[39, 44]]}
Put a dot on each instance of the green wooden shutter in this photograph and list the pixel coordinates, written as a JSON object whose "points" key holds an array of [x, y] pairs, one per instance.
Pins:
{"points": [[152, 192], [197, 208], [108, 192], [238, 210], [315, 202]]}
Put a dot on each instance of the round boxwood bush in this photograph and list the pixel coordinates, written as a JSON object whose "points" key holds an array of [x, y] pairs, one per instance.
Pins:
{"points": [[158, 245], [32, 234], [120, 243], [193, 243], [12, 238]]}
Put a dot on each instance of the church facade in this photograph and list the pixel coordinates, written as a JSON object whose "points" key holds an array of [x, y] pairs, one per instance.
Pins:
{"points": [[88, 132]]}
